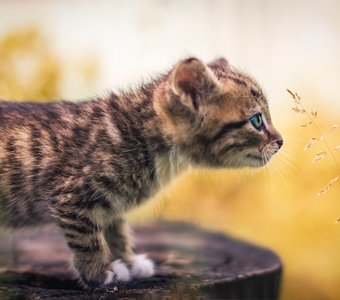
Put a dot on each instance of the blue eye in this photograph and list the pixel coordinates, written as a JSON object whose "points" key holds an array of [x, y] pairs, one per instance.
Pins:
{"points": [[257, 121]]}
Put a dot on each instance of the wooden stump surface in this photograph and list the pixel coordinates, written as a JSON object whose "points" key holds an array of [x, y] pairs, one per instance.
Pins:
{"points": [[191, 264]]}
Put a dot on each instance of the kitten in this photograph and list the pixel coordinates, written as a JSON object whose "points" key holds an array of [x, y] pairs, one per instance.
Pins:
{"points": [[84, 165]]}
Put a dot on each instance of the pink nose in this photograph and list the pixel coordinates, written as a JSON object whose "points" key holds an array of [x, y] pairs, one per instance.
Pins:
{"points": [[279, 142]]}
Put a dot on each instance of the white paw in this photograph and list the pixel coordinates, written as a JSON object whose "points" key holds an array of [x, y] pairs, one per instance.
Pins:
{"points": [[109, 277], [142, 267], [118, 272]]}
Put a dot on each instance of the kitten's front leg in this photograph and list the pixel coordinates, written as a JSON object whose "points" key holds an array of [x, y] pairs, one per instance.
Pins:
{"points": [[117, 237], [92, 257]]}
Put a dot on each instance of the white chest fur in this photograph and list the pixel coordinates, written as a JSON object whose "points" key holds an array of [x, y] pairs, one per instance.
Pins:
{"points": [[168, 167]]}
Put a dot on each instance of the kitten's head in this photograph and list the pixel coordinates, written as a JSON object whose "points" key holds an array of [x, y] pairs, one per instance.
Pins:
{"points": [[216, 116]]}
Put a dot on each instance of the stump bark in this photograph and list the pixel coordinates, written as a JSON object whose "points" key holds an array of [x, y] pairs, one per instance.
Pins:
{"points": [[191, 264]]}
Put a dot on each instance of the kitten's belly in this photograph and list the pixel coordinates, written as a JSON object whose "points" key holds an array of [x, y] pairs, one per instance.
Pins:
{"points": [[11, 222], [16, 214]]}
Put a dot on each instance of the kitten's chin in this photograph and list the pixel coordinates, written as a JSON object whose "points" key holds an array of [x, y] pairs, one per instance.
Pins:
{"points": [[254, 161], [247, 161], [238, 162]]}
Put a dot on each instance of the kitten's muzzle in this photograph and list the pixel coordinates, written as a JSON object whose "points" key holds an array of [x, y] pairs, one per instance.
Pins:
{"points": [[279, 143]]}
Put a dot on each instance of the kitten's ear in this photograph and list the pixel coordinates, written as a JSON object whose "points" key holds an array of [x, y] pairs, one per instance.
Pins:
{"points": [[220, 63], [192, 81]]}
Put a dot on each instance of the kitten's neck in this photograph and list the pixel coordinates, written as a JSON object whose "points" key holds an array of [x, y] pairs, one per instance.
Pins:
{"points": [[169, 166], [167, 162]]}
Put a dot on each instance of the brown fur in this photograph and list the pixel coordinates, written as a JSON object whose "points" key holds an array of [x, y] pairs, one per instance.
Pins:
{"points": [[83, 165]]}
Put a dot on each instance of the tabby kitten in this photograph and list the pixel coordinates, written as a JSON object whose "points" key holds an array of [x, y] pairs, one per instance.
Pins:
{"points": [[84, 165]]}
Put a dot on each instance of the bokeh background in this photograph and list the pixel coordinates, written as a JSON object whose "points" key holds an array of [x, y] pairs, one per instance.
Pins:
{"points": [[79, 49]]}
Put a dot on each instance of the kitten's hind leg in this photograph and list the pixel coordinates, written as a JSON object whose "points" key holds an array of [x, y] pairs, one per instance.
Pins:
{"points": [[7, 251], [117, 237]]}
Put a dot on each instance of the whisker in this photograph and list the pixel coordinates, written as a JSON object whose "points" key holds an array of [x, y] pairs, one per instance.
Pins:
{"points": [[287, 162], [277, 168], [267, 169]]}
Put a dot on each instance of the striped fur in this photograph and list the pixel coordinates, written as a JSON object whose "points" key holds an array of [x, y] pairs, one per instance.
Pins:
{"points": [[84, 165]]}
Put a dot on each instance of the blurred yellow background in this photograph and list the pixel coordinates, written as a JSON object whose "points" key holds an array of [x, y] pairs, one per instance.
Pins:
{"points": [[80, 49]]}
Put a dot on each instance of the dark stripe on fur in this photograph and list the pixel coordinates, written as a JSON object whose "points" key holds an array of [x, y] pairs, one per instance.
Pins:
{"points": [[132, 133], [238, 81], [78, 218], [227, 128], [78, 227], [94, 247], [36, 150], [16, 186]]}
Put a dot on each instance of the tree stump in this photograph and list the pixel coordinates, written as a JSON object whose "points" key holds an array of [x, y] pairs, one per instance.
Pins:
{"points": [[191, 264]]}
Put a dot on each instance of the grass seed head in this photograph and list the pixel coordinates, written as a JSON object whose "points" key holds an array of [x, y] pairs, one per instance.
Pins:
{"points": [[328, 186], [313, 141], [335, 126], [319, 156]]}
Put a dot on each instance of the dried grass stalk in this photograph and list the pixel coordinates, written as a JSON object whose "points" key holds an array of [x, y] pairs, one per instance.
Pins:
{"points": [[335, 126], [299, 108], [328, 186], [319, 156], [313, 141], [313, 116]]}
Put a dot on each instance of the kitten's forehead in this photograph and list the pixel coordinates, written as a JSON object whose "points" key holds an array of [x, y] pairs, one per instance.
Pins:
{"points": [[246, 94]]}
